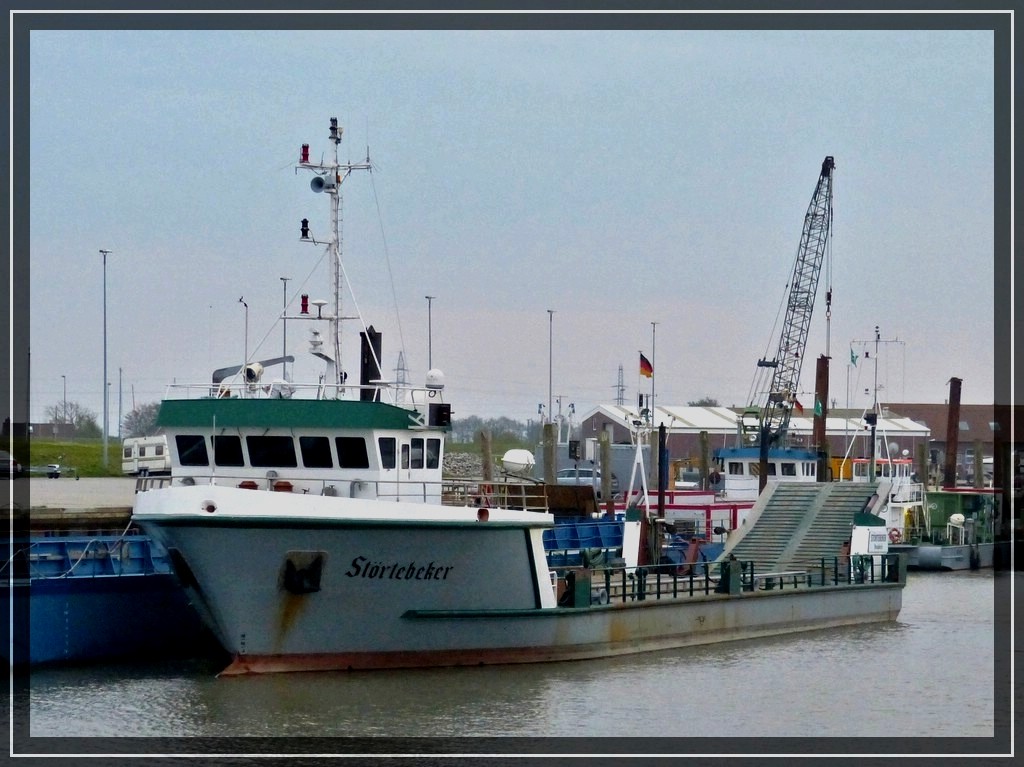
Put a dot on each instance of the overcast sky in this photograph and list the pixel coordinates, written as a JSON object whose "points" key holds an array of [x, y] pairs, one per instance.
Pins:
{"points": [[619, 178]]}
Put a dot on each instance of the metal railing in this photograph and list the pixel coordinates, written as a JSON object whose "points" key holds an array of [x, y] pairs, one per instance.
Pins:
{"points": [[527, 496], [618, 583]]}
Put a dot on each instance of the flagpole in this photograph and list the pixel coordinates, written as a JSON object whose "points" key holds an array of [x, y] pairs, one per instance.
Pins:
{"points": [[654, 326]]}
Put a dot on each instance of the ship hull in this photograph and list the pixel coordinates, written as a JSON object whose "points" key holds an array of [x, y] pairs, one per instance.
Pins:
{"points": [[301, 583]]}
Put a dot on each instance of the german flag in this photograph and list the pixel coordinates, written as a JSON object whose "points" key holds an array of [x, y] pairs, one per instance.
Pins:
{"points": [[646, 369]]}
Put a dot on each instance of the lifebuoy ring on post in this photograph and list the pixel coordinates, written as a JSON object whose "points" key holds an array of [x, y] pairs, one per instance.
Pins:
{"points": [[895, 536]]}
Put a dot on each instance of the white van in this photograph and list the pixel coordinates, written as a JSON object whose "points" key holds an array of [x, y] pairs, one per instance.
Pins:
{"points": [[145, 455]]}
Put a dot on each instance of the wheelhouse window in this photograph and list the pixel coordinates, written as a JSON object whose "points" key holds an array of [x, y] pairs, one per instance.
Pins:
{"points": [[227, 450], [788, 469], [433, 453], [271, 451], [416, 459], [352, 452], [771, 469], [316, 452], [405, 455], [191, 450], [127, 452], [736, 468], [387, 452], [158, 449]]}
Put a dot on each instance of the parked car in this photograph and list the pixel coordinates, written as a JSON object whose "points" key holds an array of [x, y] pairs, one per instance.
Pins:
{"points": [[585, 475], [9, 467]]}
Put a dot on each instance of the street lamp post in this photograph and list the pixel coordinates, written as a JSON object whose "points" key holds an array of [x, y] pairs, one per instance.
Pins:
{"points": [[284, 327], [106, 458], [430, 349], [551, 320], [64, 379]]}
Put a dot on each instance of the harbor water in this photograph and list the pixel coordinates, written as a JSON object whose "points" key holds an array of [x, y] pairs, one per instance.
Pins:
{"points": [[933, 681]]}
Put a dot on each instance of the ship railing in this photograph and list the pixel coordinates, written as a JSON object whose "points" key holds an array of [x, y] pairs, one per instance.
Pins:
{"points": [[401, 395], [908, 492], [616, 582], [525, 495]]}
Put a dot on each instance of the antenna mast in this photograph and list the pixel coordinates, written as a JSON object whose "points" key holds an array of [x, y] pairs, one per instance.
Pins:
{"points": [[329, 179]]}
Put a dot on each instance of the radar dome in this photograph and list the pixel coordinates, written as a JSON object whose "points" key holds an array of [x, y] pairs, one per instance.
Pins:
{"points": [[957, 520], [517, 461], [435, 379]]}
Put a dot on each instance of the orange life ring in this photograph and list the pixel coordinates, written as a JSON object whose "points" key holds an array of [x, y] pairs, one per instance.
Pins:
{"points": [[895, 536]]}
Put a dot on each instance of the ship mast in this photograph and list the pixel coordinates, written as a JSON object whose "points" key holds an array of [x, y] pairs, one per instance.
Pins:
{"points": [[329, 178]]}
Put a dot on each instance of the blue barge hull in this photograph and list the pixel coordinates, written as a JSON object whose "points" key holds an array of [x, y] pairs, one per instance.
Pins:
{"points": [[82, 598]]}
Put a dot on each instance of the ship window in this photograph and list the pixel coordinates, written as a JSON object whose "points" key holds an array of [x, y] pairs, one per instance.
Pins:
{"points": [[159, 450], [788, 469], [735, 468], [387, 452], [417, 453], [191, 450], [316, 452], [433, 453], [227, 451], [771, 470], [352, 453], [271, 451], [127, 452], [405, 455]]}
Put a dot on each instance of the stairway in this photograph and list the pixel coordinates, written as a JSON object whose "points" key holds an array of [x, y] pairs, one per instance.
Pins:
{"points": [[795, 524]]}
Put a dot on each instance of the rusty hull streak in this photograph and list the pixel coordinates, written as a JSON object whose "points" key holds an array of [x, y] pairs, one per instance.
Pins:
{"points": [[291, 606]]}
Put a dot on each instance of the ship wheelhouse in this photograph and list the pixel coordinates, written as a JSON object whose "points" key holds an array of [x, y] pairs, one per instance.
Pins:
{"points": [[322, 447]]}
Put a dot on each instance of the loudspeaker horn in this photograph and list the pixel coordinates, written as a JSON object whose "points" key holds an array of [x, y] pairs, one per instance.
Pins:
{"points": [[320, 183], [253, 372]]}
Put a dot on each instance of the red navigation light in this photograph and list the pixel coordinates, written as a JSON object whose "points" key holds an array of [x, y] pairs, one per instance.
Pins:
{"points": [[304, 156], [305, 304]]}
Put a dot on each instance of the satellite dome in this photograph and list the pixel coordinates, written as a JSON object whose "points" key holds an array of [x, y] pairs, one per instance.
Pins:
{"points": [[517, 461], [435, 379]]}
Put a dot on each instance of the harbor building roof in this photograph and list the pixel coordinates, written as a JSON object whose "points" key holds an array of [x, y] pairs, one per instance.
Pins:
{"points": [[724, 420]]}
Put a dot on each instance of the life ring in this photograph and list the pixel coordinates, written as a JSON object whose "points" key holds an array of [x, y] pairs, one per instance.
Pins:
{"points": [[895, 536], [714, 478]]}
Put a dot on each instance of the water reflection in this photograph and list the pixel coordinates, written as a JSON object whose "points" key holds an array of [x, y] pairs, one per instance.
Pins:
{"points": [[885, 680]]}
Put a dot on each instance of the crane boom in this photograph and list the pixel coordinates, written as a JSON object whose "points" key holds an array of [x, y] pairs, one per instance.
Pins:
{"points": [[789, 356]]}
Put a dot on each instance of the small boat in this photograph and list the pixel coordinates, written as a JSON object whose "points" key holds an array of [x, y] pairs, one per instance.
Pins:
{"points": [[950, 529], [314, 529], [943, 529]]}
